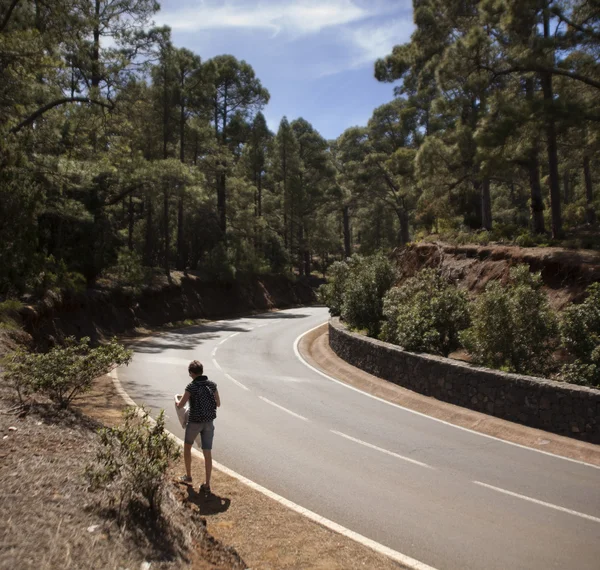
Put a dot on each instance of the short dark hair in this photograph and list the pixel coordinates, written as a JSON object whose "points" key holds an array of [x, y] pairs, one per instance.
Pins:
{"points": [[196, 367]]}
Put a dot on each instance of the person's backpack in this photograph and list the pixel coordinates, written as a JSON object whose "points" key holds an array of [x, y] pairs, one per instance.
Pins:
{"points": [[204, 401]]}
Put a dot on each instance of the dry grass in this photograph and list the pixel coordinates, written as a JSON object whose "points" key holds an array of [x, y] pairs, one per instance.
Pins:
{"points": [[51, 520]]}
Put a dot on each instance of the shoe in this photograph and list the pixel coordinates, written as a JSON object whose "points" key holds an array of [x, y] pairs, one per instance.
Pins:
{"points": [[185, 479], [204, 488]]}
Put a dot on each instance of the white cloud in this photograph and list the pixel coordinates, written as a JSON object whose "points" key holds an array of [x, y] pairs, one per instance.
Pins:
{"points": [[373, 42], [368, 42], [298, 17]]}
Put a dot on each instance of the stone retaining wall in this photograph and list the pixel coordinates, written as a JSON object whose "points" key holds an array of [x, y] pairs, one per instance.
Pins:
{"points": [[561, 408]]}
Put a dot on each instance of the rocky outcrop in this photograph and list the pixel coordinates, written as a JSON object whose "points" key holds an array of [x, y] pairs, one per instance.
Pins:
{"points": [[565, 273]]}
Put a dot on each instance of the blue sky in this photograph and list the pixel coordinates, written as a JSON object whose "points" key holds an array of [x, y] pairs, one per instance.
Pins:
{"points": [[314, 56]]}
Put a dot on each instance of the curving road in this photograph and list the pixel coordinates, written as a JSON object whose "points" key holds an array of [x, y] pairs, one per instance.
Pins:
{"points": [[450, 498]]}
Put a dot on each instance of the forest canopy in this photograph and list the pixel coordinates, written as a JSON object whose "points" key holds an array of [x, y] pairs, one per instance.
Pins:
{"points": [[120, 151]]}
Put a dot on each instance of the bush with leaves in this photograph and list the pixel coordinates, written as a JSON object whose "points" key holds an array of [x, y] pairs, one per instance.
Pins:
{"points": [[63, 373], [513, 327], [368, 280], [425, 314], [580, 335], [54, 275], [331, 293], [129, 270], [133, 459]]}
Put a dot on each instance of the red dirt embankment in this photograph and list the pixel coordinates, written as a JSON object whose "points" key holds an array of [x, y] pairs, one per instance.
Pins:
{"points": [[566, 273], [100, 313]]}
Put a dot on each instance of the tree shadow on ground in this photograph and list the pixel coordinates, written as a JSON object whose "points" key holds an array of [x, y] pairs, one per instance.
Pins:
{"points": [[280, 315], [208, 503], [184, 339]]}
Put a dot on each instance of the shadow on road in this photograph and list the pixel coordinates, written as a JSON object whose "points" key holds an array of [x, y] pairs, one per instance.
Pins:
{"points": [[279, 315], [209, 504]]}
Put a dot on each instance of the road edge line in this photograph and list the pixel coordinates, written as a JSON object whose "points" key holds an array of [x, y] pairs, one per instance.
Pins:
{"points": [[363, 540], [349, 386]]}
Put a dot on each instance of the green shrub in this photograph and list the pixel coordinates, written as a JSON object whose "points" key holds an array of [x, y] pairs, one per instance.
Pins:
{"points": [[63, 373], [355, 290], [580, 335], [219, 264], [9, 318], [525, 240], [513, 328], [133, 459], [369, 278], [425, 314], [54, 275], [331, 293], [129, 270]]}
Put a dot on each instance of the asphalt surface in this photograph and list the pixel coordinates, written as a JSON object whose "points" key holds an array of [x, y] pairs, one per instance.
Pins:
{"points": [[450, 498]]}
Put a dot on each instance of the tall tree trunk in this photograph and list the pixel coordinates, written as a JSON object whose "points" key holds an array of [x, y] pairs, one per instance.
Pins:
{"points": [[300, 249], [167, 263], [486, 205], [590, 214], [347, 241], [307, 263], [259, 196], [533, 170], [148, 247], [96, 48], [130, 223], [555, 207], [181, 254], [181, 261], [566, 187], [222, 201], [403, 234]]}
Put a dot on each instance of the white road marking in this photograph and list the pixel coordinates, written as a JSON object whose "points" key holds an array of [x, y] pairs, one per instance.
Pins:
{"points": [[375, 546], [299, 356], [381, 449], [214, 352], [284, 409], [538, 502], [228, 337], [236, 382], [217, 365]]}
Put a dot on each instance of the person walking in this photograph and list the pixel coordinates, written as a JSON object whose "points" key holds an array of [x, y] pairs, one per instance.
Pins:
{"points": [[204, 400]]}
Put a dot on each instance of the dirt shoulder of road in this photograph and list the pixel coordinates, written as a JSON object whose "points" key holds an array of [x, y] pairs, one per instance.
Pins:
{"points": [[266, 534], [314, 348]]}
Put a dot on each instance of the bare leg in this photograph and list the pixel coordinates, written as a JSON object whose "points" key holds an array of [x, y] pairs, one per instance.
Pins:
{"points": [[207, 464], [187, 459]]}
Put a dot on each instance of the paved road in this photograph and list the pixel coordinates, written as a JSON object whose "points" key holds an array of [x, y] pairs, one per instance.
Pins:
{"points": [[449, 498]]}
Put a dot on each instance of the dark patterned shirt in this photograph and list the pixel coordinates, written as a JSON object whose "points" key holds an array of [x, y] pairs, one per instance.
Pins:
{"points": [[203, 406]]}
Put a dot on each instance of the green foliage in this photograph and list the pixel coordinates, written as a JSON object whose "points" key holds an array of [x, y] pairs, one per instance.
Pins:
{"points": [[580, 335], [133, 459], [331, 293], [54, 275], [425, 314], [355, 290], [8, 314], [129, 270], [219, 264], [63, 373], [368, 280], [513, 328]]}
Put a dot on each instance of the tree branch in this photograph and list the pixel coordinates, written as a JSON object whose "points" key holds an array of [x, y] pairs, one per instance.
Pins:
{"points": [[542, 69], [8, 14], [26, 122], [580, 28]]}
